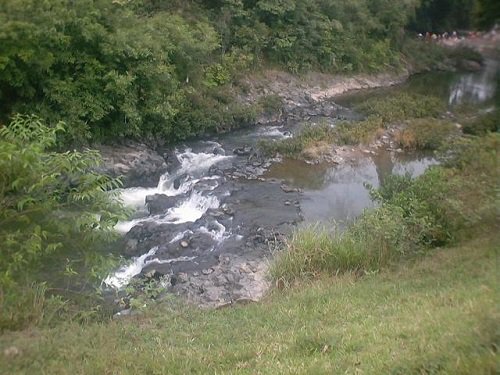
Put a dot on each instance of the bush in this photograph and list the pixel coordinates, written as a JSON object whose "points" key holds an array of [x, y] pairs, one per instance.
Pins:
{"points": [[293, 147], [271, 103], [423, 56], [489, 122], [354, 133], [446, 203], [54, 208], [425, 134], [402, 106]]}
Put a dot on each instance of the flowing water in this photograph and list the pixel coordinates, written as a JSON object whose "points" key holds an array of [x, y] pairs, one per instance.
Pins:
{"points": [[224, 198]]}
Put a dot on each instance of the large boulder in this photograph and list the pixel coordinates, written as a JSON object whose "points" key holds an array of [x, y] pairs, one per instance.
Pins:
{"points": [[159, 203], [135, 162]]}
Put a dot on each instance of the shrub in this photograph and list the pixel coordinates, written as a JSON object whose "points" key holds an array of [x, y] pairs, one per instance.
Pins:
{"points": [[353, 133], [271, 103], [489, 122], [446, 203], [53, 207], [293, 147], [402, 106], [425, 134]]}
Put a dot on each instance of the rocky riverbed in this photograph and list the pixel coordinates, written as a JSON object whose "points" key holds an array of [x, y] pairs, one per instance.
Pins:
{"points": [[209, 213]]}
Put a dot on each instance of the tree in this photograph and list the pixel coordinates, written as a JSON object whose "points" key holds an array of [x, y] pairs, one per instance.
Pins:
{"points": [[51, 203]]}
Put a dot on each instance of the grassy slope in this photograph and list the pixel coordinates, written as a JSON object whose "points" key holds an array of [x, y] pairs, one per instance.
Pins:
{"points": [[434, 315]]}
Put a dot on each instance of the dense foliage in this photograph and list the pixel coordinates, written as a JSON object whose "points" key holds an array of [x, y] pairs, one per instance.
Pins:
{"points": [[162, 68], [55, 210]]}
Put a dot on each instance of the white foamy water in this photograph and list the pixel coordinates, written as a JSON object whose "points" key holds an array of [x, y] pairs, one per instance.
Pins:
{"points": [[192, 164], [192, 167], [187, 211], [217, 232], [122, 277], [192, 209], [274, 131], [198, 162]]}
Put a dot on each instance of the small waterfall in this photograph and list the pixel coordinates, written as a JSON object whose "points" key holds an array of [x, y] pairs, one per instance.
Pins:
{"points": [[123, 276]]}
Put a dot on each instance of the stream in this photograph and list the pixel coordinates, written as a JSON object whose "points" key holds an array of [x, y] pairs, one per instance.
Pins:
{"points": [[208, 227]]}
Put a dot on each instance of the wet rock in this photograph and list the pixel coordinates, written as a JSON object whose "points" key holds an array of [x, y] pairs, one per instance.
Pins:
{"points": [[243, 151], [289, 189], [146, 235], [137, 163], [159, 203], [219, 151], [180, 180], [171, 159], [214, 170]]}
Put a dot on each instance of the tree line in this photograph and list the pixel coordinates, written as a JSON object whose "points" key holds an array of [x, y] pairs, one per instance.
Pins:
{"points": [[167, 69]]}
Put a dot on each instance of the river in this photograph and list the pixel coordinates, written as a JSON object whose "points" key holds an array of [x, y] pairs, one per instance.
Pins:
{"points": [[222, 206]]}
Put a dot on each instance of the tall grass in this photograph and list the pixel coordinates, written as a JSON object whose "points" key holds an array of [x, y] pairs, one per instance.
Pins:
{"points": [[293, 147], [445, 204], [23, 307], [402, 106], [425, 134], [368, 244], [381, 113]]}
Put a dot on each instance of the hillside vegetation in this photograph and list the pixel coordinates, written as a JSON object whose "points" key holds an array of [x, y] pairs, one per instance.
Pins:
{"points": [[167, 70]]}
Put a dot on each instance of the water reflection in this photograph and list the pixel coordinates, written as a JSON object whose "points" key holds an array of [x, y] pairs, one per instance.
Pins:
{"points": [[477, 87], [338, 192], [455, 87]]}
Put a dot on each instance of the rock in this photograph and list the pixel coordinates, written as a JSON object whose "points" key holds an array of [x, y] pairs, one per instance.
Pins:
{"points": [[159, 203], [235, 279], [214, 170], [131, 245], [171, 159], [180, 180], [144, 236], [184, 244], [182, 277], [243, 151], [138, 164], [153, 274], [219, 151], [288, 189], [470, 65]]}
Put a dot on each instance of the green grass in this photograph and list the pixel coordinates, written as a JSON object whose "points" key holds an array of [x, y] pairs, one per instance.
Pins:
{"points": [[294, 147], [381, 113], [436, 315], [402, 106], [444, 205], [381, 299]]}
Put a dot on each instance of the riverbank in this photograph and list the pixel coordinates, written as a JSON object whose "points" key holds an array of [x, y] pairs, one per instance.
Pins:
{"points": [[326, 318], [434, 314]]}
